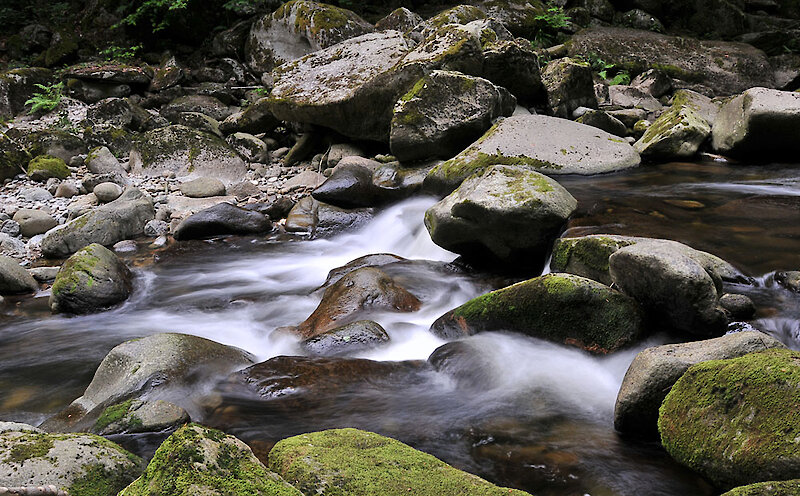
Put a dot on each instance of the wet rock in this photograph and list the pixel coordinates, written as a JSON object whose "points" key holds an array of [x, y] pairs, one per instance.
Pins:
{"points": [[772, 488], [466, 362], [166, 365], [654, 370], [134, 416], [738, 306], [203, 187], [558, 307], [197, 460], [156, 228], [350, 338], [33, 222], [569, 85], [363, 290], [78, 463], [17, 86], [789, 280], [545, 144], [760, 123], [221, 219], [727, 419], [602, 120], [349, 186], [14, 279], [317, 218], [401, 19], [91, 280], [506, 217], [107, 192], [123, 218], [45, 167], [366, 463], [443, 113], [206, 105]]}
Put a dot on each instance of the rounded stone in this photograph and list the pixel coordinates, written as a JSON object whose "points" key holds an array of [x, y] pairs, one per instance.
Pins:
{"points": [[107, 192]]}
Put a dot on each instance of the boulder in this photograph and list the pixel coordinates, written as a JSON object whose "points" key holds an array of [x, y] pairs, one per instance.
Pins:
{"points": [[14, 279], [563, 308], [256, 118], [443, 113], [17, 86], [401, 19], [123, 113], [350, 338], [91, 280], [110, 72], [249, 147], [350, 186], [52, 142], [32, 222], [197, 460], [123, 218], [107, 192], [14, 158], [298, 28], [653, 82], [518, 16], [81, 464], [548, 145], [569, 85], [724, 67], [317, 218], [602, 120], [100, 160], [45, 167], [168, 366], [626, 96], [222, 219], [789, 279], [654, 370], [515, 67], [360, 463], [134, 416], [772, 488], [676, 134], [203, 104], [373, 260], [505, 217], [363, 290], [203, 187], [186, 152], [734, 421], [760, 123]]}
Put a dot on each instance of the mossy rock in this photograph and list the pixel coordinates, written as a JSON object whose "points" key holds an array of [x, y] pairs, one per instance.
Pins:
{"points": [[737, 421], [563, 308], [773, 488], [13, 158], [352, 462], [197, 460], [45, 167], [677, 134]]}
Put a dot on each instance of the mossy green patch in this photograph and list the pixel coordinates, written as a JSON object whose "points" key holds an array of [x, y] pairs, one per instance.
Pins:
{"points": [[112, 414], [772, 488], [98, 480], [590, 252], [46, 166], [29, 446], [77, 270]]}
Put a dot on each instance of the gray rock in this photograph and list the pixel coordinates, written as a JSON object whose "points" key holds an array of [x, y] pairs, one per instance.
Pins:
{"points": [[33, 222], [203, 104], [203, 187], [36, 194], [602, 120], [14, 279], [507, 216], [91, 280], [654, 370], [18, 427], [243, 189], [256, 118], [789, 279], [632, 97], [249, 147], [569, 85], [91, 181], [101, 161], [44, 274], [349, 186], [515, 67], [677, 134], [305, 180], [10, 227], [12, 246], [639, 19], [339, 151], [629, 117], [739, 306], [17, 86], [107, 192], [67, 189], [13, 158], [351, 338], [201, 122], [222, 219], [401, 19], [316, 218], [135, 416], [124, 218], [374, 260], [654, 82], [125, 246], [156, 228]]}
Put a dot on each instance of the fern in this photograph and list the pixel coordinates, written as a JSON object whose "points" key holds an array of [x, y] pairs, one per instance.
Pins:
{"points": [[47, 99]]}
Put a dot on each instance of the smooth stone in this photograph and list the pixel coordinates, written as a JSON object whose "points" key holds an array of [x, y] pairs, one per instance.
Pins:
{"points": [[107, 192]]}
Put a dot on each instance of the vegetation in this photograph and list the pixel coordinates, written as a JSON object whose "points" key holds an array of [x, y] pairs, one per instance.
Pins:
{"points": [[121, 54], [608, 71], [548, 24], [47, 99]]}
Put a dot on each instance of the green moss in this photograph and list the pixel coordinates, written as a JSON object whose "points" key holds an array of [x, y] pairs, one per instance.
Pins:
{"points": [[415, 90], [77, 269], [773, 488], [46, 166], [97, 480], [113, 414], [350, 462], [29, 446], [460, 14]]}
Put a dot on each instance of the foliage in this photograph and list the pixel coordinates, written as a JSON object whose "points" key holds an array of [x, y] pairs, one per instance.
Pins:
{"points": [[122, 54], [154, 12], [243, 7], [47, 99], [548, 24], [608, 71], [16, 13]]}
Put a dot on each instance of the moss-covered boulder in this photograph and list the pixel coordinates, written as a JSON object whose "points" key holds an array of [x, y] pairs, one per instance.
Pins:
{"points": [[17, 86], [45, 167], [359, 463], [133, 416], [505, 217], [400, 19], [772, 488], [53, 142], [736, 421], [518, 16], [197, 460], [545, 144], [676, 134], [562, 308], [92, 279], [298, 28], [13, 158], [569, 85], [81, 464]]}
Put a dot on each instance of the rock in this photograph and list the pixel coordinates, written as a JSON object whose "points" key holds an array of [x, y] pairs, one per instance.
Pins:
{"points": [[52, 142], [126, 246], [256, 118], [249, 147], [203, 187], [123, 113], [35, 195], [629, 117], [135, 416], [123, 218], [13, 158], [156, 228], [44, 274], [640, 20], [45, 167], [91, 181], [350, 338], [317, 218], [787, 71], [181, 207], [33, 222], [296, 29], [14, 279], [772, 488], [109, 73], [602, 120], [654, 82], [365, 289], [305, 180], [738, 306], [244, 189], [515, 67], [760, 123], [185, 152], [12, 246], [724, 67], [222, 219], [169, 366], [563, 308], [395, 182], [569, 85], [727, 419], [203, 104], [197, 460], [506, 217], [677, 134], [545, 144], [654, 370], [339, 151], [91, 280], [364, 464], [18, 427], [632, 97], [350, 186], [101, 161], [789, 280], [401, 19], [17, 86], [107, 192], [10, 227], [443, 113], [81, 464], [201, 122]]}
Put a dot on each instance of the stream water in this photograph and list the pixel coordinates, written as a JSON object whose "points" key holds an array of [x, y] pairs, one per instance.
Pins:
{"points": [[539, 419]]}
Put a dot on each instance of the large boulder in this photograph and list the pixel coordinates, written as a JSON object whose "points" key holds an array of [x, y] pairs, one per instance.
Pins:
{"points": [[91, 280], [13, 158], [760, 123], [296, 29], [735, 421], [17, 86], [201, 104], [360, 463], [654, 370], [400, 19], [197, 460], [443, 113], [563, 308], [168, 366], [771, 488], [548, 145], [725, 68], [507, 216], [80, 464], [186, 152], [123, 218], [221, 219], [569, 85], [676, 134], [14, 279]]}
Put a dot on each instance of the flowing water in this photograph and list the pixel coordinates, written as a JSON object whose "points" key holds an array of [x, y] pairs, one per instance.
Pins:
{"points": [[537, 416]]}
